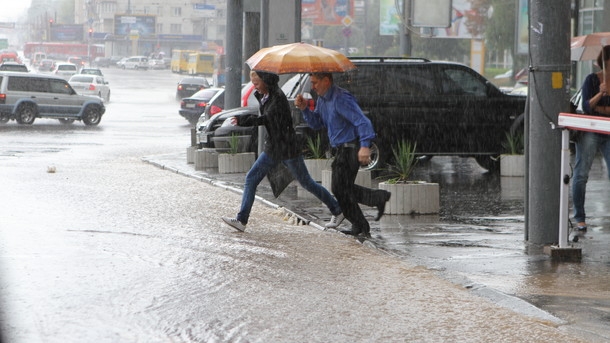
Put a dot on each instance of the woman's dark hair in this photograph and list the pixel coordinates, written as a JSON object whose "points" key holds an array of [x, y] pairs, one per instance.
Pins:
{"points": [[604, 55]]}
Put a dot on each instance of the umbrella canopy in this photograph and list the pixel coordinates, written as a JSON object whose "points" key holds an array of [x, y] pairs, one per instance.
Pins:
{"points": [[587, 47], [299, 58]]}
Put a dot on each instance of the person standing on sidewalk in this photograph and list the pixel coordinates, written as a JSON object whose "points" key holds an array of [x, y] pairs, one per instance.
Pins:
{"points": [[350, 132], [281, 146], [595, 102]]}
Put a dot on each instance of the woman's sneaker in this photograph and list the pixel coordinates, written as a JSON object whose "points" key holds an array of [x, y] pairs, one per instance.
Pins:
{"points": [[335, 221], [234, 223]]}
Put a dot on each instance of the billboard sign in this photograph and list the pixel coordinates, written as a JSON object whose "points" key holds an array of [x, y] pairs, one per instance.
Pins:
{"points": [[125, 24], [67, 33], [326, 12]]}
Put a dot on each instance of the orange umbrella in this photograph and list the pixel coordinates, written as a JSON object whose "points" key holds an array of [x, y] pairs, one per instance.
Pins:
{"points": [[299, 58], [587, 47]]}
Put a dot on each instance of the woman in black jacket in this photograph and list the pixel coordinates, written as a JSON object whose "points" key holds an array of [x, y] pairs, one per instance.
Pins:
{"points": [[281, 146]]}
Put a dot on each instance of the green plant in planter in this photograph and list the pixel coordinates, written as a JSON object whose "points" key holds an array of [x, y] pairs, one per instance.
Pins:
{"points": [[514, 144], [314, 148], [234, 144], [404, 162]]}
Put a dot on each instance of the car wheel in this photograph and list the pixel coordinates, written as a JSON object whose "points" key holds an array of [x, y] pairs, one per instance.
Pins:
{"points": [[123, 66], [92, 115], [375, 158], [491, 163], [66, 121], [26, 114], [4, 118]]}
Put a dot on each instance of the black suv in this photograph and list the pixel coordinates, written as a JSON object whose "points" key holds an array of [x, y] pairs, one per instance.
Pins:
{"points": [[445, 108]]}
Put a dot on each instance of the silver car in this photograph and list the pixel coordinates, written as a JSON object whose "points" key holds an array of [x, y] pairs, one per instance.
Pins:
{"points": [[25, 97], [88, 84], [65, 70]]}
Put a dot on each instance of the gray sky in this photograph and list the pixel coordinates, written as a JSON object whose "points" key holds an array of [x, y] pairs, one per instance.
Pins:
{"points": [[11, 9]]}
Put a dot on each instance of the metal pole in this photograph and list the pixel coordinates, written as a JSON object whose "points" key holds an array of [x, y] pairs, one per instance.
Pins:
{"points": [[549, 49], [233, 69], [565, 188]]}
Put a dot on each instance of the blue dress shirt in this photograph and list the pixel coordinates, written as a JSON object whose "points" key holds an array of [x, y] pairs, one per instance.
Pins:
{"points": [[339, 112]]}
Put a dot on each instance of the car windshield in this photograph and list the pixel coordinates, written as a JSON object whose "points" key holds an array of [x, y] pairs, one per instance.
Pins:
{"points": [[66, 67], [205, 93], [195, 81]]}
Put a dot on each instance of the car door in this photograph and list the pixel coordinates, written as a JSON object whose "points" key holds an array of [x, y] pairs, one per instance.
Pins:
{"points": [[102, 86], [480, 116], [65, 100]]}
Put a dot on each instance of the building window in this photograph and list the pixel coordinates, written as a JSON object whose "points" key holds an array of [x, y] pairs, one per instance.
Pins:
{"points": [[175, 28], [159, 28], [177, 11]]}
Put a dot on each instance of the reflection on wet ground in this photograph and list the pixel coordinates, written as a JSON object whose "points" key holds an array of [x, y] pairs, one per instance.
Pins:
{"points": [[478, 239]]}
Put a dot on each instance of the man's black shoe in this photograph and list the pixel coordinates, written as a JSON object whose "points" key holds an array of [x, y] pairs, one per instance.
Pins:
{"points": [[381, 205]]}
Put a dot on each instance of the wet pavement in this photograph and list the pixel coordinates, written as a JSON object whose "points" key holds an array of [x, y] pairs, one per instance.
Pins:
{"points": [[476, 241]]}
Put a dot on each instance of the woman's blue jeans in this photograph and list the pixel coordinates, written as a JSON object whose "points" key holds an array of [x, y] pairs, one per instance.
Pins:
{"points": [[587, 147], [263, 164]]}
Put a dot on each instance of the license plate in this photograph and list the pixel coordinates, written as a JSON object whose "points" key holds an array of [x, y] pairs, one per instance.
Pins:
{"points": [[203, 138], [190, 106], [191, 88]]}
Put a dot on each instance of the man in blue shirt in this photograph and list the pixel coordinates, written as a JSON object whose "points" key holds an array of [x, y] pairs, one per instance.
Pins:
{"points": [[350, 132]]}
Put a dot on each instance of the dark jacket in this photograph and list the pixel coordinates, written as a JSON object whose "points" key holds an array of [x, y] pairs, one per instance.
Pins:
{"points": [[281, 143]]}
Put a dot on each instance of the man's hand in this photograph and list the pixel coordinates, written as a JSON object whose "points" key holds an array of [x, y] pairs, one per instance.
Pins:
{"points": [[300, 102], [364, 156]]}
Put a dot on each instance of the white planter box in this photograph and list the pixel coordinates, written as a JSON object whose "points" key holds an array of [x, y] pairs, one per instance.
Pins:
{"points": [[512, 165], [316, 166], [190, 154], [235, 163], [412, 198], [206, 158], [363, 179]]}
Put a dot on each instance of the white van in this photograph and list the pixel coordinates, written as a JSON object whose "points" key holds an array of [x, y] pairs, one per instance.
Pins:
{"points": [[136, 62]]}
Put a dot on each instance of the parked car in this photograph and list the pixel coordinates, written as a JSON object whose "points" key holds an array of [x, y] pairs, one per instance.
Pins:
{"points": [[91, 71], [156, 64], [190, 85], [27, 96], [215, 105], [220, 125], [46, 65], [444, 108], [13, 66], [103, 62], [135, 62], [119, 63], [88, 84], [65, 70], [191, 108]]}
